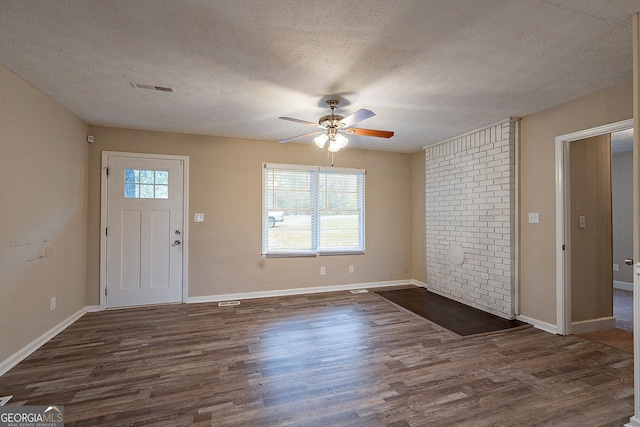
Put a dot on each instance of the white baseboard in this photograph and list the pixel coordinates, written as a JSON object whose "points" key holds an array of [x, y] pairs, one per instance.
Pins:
{"points": [[25, 351], [633, 422], [538, 324], [296, 291], [586, 326], [625, 286], [418, 283]]}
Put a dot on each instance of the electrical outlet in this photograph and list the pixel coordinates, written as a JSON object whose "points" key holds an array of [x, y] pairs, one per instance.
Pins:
{"points": [[323, 271], [351, 270], [616, 267], [53, 303]]}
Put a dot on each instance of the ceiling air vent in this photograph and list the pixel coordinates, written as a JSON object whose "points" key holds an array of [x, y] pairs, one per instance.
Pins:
{"points": [[153, 87]]}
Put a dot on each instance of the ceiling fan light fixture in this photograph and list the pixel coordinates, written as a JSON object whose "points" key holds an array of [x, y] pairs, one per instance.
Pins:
{"points": [[335, 126], [337, 143], [341, 140], [320, 140]]}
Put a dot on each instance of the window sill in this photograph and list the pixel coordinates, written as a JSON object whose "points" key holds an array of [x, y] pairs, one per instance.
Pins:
{"points": [[311, 254]]}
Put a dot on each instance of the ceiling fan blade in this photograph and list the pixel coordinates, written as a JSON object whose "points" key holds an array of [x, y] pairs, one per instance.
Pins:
{"points": [[370, 132], [304, 122], [358, 116], [282, 141]]}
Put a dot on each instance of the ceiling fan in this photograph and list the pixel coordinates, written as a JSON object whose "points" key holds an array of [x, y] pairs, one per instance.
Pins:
{"points": [[334, 126]]}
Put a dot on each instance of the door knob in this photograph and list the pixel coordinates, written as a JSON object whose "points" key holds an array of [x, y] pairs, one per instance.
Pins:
{"points": [[628, 261]]}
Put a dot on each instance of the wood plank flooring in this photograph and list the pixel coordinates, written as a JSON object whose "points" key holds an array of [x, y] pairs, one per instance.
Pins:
{"points": [[334, 359]]}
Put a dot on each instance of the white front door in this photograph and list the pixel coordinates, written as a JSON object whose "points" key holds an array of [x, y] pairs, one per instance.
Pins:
{"points": [[144, 230]]}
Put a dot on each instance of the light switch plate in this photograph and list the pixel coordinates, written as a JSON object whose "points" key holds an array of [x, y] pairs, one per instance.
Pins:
{"points": [[534, 217], [198, 217]]}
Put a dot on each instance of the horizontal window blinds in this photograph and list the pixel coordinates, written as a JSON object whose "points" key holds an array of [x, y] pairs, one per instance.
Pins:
{"points": [[309, 211]]}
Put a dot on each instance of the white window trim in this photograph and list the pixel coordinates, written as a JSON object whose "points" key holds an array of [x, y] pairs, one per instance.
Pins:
{"points": [[318, 251]]}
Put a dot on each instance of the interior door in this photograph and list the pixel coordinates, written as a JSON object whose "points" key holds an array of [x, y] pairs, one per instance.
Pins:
{"points": [[590, 227], [145, 221]]}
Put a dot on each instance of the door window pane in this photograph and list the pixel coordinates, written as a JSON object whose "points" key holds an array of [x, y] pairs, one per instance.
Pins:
{"points": [[162, 192], [147, 177], [146, 184], [131, 191], [162, 177], [131, 175]]}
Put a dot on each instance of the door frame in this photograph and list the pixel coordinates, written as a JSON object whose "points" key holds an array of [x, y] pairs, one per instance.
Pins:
{"points": [[563, 216], [103, 217]]}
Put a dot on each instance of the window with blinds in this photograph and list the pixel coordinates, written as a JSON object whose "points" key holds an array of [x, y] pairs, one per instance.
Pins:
{"points": [[310, 210]]}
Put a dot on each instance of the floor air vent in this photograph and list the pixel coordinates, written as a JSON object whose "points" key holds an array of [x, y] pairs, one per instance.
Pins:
{"points": [[228, 303], [359, 291]]}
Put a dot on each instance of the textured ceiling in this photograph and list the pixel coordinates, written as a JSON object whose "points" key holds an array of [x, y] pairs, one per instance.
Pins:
{"points": [[428, 69]]}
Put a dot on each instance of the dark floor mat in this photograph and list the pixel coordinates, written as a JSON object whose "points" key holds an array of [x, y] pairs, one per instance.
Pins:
{"points": [[452, 315]]}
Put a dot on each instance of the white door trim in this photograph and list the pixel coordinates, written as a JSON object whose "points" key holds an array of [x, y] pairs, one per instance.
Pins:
{"points": [[563, 267], [635, 419], [103, 219]]}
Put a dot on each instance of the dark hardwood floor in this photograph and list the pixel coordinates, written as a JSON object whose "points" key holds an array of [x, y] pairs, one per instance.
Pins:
{"points": [[317, 360], [452, 315]]}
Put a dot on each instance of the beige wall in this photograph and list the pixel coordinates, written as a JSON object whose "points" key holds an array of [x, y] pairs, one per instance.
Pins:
{"points": [[537, 189], [622, 188], [591, 245], [225, 184], [43, 171], [418, 233]]}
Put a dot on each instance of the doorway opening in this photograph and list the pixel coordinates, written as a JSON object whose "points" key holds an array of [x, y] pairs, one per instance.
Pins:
{"points": [[564, 221]]}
